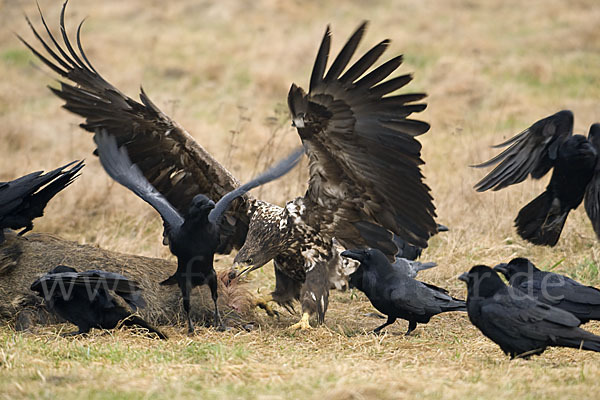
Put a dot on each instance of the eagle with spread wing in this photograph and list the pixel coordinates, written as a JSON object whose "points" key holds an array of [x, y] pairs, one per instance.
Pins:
{"points": [[365, 180]]}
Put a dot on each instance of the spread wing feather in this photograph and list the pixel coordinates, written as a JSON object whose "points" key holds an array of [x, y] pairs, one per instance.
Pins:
{"points": [[531, 152], [12, 193], [365, 181], [118, 166], [172, 161]]}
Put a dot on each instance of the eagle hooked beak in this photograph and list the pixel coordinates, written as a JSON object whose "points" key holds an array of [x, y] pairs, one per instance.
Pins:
{"points": [[248, 269]]}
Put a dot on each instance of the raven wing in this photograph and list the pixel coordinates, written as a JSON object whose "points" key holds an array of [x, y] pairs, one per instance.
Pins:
{"points": [[277, 171], [170, 159], [364, 160], [420, 298], [531, 152], [518, 315], [61, 284], [12, 193], [126, 288], [591, 201], [558, 288], [118, 166]]}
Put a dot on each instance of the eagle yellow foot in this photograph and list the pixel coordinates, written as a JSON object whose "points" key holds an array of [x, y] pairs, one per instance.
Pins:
{"points": [[303, 324], [263, 302]]}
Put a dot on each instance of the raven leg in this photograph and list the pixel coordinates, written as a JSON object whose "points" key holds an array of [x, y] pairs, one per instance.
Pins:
{"points": [[212, 284], [390, 320], [411, 327], [185, 294], [27, 229]]}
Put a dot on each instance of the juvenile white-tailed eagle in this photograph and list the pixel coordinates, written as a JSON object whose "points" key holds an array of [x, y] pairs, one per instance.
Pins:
{"points": [[365, 178]]}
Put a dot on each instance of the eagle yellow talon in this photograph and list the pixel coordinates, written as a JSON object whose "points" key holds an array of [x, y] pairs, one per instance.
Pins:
{"points": [[303, 324], [263, 302]]}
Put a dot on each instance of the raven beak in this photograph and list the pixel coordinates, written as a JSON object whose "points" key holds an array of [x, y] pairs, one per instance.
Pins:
{"points": [[355, 255], [442, 228], [464, 277], [501, 268]]}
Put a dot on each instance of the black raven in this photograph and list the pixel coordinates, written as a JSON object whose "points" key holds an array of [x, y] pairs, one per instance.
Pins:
{"points": [[550, 143], [85, 299], [518, 323], [554, 289], [194, 237], [24, 199], [395, 294]]}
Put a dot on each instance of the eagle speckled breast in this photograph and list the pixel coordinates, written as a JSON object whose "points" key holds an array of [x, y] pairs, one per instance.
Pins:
{"points": [[365, 179]]}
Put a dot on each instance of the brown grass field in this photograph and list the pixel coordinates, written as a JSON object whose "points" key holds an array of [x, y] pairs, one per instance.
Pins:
{"points": [[222, 70]]}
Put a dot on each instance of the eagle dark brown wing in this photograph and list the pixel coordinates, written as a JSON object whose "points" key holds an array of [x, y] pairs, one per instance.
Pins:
{"points": [[172, 161], [364, 160], [532, 151]]}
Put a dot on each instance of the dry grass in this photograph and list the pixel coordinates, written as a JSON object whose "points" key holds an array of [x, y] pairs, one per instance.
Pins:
{"points": [[222, 69]]}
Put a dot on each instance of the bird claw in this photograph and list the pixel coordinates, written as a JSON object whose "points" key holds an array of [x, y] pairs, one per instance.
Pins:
{"points": [[264, 304], [268, 309], [302, 325]]}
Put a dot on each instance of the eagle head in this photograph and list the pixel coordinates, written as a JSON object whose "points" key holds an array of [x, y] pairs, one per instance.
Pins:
{"points": [[298, 103], [266, 237]]}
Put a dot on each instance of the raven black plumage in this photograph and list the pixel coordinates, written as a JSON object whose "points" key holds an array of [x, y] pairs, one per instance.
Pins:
{"points": [[554, 289], [85, 299], [364, 161], [518, 323], [194, 237], [394, 293], [547, 144], [24, 199]]}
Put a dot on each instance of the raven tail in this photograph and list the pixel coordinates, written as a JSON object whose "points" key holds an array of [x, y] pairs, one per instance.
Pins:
{"points": [[542, 220]]}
